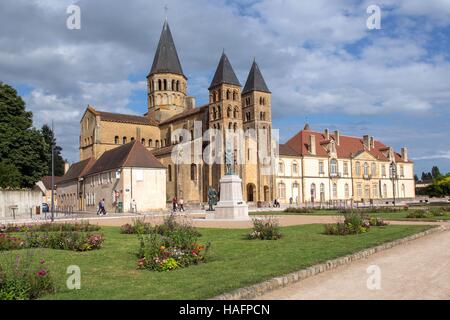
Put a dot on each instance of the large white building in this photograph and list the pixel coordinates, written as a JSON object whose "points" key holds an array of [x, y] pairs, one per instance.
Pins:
{"points": [[324, 167]]}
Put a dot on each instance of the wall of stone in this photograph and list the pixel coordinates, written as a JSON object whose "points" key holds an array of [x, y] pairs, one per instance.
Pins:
{"points": [[25, 200]]}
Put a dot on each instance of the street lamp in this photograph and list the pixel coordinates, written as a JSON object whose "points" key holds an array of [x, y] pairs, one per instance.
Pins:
{"points": [[393, 174]]}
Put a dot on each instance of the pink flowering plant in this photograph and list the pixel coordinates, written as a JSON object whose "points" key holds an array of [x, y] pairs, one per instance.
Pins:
{"points": [[23, 278]]}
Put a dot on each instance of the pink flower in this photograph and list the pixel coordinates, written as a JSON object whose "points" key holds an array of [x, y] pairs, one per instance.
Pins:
{"points": [[41, 273]]}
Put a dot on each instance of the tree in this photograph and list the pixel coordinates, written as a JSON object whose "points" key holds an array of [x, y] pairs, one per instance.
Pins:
{"points": [[21, 145], [435, 173], [9, 175], [49, 138], [416, 178]]}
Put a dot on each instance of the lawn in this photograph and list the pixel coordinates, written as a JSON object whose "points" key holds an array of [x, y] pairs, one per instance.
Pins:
{"points": [[111, 273], [398, 216]]}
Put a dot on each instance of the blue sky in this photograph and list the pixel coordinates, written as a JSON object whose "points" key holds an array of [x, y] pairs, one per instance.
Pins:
{"points": [[318, 58]]}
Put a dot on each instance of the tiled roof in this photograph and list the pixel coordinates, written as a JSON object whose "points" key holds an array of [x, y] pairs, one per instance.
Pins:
{"points": [[224, 73], [166, 56], [348, 146], [77, 170], [126, 118], [132, 154], [185, 114], [255, 80], [47, 181], [285, 150]]}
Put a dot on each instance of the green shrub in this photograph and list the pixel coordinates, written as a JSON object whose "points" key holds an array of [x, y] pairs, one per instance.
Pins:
{"points": [[23, 279], [265, 229], [355, 222], [418, 213], [298, 210], [83, 226]]}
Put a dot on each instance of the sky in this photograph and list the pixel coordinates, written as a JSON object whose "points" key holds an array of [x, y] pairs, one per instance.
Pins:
{"points": [[319, 59]]}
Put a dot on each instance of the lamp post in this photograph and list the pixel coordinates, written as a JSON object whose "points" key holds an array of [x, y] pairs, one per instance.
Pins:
{"points": [[393, 174], [53, 175]]}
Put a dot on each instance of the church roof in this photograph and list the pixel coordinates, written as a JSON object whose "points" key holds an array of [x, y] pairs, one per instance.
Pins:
{"points": [[132, 154], [255, 80], [166, 56], [224, 73], [125, 118]]}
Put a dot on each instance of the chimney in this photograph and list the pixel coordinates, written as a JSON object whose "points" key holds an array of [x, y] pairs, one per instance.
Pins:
{"points": [[327, 134], [66, 167], [372, 143], [312, 144], [337, 137], [366, 141], [405, 154]]}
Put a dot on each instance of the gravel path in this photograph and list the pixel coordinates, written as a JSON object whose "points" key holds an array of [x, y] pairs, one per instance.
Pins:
{"points": [[419, 269]]}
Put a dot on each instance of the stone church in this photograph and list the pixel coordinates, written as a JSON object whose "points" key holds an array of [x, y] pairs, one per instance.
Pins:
{"points": [[310, 167], [170, 108]]}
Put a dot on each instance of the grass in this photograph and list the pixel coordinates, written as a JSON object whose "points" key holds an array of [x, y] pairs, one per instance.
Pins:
{"points": [[396, 216], [111, 273]]}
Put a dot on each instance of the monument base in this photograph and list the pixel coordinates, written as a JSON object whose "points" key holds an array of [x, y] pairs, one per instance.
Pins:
{"points": [[231, 205]]}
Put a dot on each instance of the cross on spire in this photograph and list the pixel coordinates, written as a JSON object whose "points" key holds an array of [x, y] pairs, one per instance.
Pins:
{"points": [[166, 9]]}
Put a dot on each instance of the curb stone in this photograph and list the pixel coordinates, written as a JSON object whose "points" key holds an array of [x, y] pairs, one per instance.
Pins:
{"points": [[282, 281]]}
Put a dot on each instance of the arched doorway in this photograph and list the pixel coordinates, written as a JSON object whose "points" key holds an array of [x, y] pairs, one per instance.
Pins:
{"points": [[266, 193], [251, 189]]}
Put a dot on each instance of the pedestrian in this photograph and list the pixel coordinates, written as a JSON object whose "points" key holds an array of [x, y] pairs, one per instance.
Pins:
{"points": [[99, 208], [174, 204], [103, 210], [181, 202]]}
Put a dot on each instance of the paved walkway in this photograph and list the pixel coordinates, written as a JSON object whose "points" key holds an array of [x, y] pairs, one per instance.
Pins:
{"points": [[419, 269]]}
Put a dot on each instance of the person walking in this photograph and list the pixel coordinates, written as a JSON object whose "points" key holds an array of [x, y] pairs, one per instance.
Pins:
{"points": [[103, 208], [181, 202], [174, 204], [99, 208]]}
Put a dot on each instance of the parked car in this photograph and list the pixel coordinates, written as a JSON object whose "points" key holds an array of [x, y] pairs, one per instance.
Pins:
{"points": [[45, 207]]}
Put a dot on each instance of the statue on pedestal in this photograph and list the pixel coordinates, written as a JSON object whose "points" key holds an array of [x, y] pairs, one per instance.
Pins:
{"points": [[229, 162], [212, 198]]}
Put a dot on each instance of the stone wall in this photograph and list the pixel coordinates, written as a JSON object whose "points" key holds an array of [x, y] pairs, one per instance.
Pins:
{"points": [[25, 200]]}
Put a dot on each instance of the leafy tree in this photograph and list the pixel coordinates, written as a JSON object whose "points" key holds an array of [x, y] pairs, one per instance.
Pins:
{"points": [[21, 145], [49, 138], [9, 175], [435, 172], [416, 178]]}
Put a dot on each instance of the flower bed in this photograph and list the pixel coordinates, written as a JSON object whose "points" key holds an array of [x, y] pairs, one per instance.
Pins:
{"points": [[75, 241], [24, 279], [170, 246], [265, 229], [49, 227], [354, 223]]}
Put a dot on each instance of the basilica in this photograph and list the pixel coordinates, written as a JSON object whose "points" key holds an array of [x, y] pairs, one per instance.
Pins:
{"points": [[311, 167]]}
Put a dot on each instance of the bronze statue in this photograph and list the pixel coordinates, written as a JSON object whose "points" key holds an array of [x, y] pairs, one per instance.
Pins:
{"points": [[212, 198]]}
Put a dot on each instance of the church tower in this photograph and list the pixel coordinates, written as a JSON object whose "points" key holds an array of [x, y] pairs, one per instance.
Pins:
{"points": [[225, 110], [166, 82], [257, 115]]}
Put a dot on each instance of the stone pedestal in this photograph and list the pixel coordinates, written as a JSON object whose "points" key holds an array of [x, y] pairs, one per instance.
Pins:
{"points": [[231, 205]]}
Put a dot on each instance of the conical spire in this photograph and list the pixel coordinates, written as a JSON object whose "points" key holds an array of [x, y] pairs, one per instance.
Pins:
{"points": [[224, 73], [166, 56], [255, 80]]}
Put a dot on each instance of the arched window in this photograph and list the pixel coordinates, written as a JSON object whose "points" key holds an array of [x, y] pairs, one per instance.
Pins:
{"points": [[281, 167], [366, 169], [367, 191], [165, 84], [347, 191], [334, 167], [116, 139], [235, 127], [192, 135], [375, 190], [157, 143], [230, 126], [403, 191], [193, 172], [173, 85], [294, 167], [178, 85], [384, 190], [159, 85], [219, 112], [132, 139], [228, 94], [124, 140], [313, 192], [235, 113], [373, 169], [150, 143], [358, 168], [229, 112], [234, 95], [402, 171], [282, 190], [214, 113], [335, 192], [143, 141], [169, 171], [322, 192]]}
